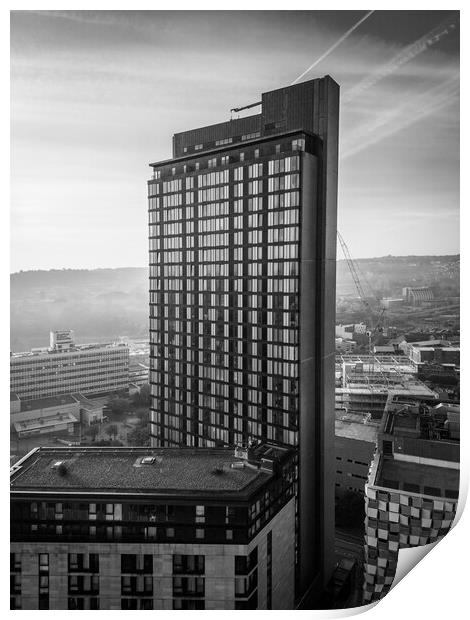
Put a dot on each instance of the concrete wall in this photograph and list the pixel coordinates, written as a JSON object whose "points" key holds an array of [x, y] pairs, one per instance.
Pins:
{"points": [[353, 459], [219, 568]]}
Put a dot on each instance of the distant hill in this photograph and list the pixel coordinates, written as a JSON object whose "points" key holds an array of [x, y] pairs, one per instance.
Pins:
{"points": [[103, 304], [99, 304], [387, 275]]}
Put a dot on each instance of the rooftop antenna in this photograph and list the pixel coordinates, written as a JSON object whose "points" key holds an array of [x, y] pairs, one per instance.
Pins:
{"points": [[246, 107]]}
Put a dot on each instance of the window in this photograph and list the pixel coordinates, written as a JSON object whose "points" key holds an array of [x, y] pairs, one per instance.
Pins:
{"points": [[298, 145], [131, 563], [224, 141], [188, 564], [181, 603], [15, 584], [43, 581], [76, 603], [15, 562], [251, 136], [245, 564], [244, 586], [113, 512], [43, 562], [188, 586], [73, 561]]}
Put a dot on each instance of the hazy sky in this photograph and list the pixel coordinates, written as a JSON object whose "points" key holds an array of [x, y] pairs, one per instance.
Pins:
{"points": [[96, 96]]}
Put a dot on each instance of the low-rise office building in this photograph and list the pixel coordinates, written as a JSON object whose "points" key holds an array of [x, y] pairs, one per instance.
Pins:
{"points": [[56, 414], [64, 423], [412, 491], [141, 528], [91, 409], [66, 368]]}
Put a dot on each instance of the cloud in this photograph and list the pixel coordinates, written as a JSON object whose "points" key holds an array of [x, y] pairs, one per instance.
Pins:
{"points": [[403, 57], [97, 95], [411, 110]]}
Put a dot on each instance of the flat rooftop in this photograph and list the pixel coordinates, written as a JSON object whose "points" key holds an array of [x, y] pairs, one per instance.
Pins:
{"points": [[411, 388], [78, 348], [43, 422], [418, 478], [372, 360], [90, 403], [353, 426], [120, 470], [46, 403], [355, 430]]}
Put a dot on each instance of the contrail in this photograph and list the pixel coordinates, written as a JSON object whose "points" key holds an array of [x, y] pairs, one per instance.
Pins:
{"points": [[405, 115], [403, 57], [333, 47]]}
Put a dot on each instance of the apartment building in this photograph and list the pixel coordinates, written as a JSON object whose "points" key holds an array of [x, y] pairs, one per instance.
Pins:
{"points": [[242, 233], [140, 528]]}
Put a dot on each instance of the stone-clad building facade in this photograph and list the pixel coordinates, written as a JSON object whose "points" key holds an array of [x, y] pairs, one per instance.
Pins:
{"points": [[217, 531]]}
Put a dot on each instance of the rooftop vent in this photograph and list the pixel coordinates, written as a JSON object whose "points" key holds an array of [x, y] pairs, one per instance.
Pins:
{"points": [[238, 465], [148, 460], [218, 470], [61, 467]]}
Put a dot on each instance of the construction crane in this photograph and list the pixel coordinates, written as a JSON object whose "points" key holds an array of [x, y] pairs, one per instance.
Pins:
{"points": [[377, 325]]}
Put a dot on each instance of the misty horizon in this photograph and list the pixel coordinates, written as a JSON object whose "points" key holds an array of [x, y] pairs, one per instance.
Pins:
{"points": [[339, 259]]}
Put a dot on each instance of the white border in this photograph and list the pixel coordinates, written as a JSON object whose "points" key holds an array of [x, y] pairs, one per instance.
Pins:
{"points": [[437, 588]]}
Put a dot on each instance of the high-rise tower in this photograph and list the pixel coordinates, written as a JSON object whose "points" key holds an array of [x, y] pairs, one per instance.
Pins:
{"points": [[242, 294]]}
